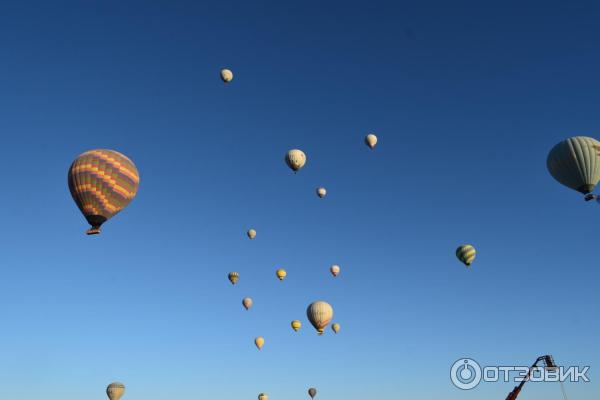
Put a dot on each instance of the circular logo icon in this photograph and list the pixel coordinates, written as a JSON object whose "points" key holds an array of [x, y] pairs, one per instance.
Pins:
{"points": [[465, 373]]}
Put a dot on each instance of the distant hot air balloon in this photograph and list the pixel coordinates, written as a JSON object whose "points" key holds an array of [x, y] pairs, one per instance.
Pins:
{"points": [[371, 140], [281, 274], [233, 277], [115, 390], [102, 183], [259, 342], [251, 233], [336, 327], [335, 270], [263, 396], [296, 325], [295, 159], [575, 162], [321, 192], [247, 303], [466, 254], [226, 75], [319, 314], [312, 392]]}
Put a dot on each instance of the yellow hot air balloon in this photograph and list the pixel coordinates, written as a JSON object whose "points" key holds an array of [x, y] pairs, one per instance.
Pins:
{"points": [[233, 277], [115, 390], [321, 192], [336, 327], [319, 314], [281, 274], [263, 396], [247, 303], [296, 325], [466, 254], [335, 270], [575, 162], [295, 159], [226, 75], [371, 140], [251, 233], [259, 342], [102, 183]]}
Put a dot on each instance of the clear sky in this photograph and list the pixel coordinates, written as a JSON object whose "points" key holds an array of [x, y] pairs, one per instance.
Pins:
{"points": [[467, 98]]}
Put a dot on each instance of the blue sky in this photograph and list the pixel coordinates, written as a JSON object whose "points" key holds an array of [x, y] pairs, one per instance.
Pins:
{"points": [[466, 98]]}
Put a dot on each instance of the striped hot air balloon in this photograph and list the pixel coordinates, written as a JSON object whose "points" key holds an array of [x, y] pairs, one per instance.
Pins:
{"points": [[233, 277], [575, 162], [115, 390], [319, 314], [102, 183], [466, 254]]}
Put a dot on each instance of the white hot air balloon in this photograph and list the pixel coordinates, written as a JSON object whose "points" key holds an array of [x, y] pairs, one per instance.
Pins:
{"points": [[319, 314], [335, 270], [575, 162], [226, 75], [295, 159], [247, 303], [371, 140], [321, 192]]}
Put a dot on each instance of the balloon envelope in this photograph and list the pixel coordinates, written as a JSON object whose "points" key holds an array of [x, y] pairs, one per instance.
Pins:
{"points": [[336, 327], [371, 140], [575, 162], [466, 254], [319, 314], [295, 159], [296, 325], [263, 396], [259, 342], [226, 75], [251, 233], [335, 270], [312, 392], [247, 303], [233, 277], [115, 390], [281, 274], [321, 192], [102, 183]]}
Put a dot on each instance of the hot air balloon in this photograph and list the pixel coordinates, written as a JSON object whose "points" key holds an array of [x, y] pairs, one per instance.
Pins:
{"points": [[115, 390], [335, 270], [575, 162], [226, 75], [259, 341], [247, 303], [466, 254], [251, 233], [233, 277], [295, 159], [336, 327], [102, 183], [321, 192], [296, 325], [281, 274], [312, 392], [263, 396], [371, 140], [319, 314]]}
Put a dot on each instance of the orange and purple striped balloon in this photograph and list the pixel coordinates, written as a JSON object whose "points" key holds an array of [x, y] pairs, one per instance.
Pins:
{"points": [[102, 183]]}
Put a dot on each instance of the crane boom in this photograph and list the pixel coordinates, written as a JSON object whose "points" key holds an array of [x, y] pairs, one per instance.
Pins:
{"points": [[547, 359]]}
